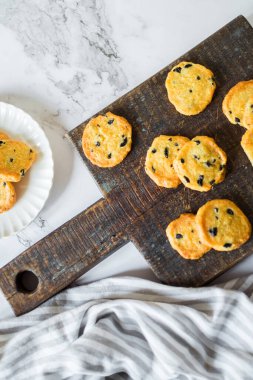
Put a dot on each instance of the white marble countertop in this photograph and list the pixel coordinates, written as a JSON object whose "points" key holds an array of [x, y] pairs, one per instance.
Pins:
{"points": [[63, 60]]}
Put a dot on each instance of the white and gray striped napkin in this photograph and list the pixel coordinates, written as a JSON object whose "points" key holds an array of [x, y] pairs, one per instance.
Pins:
{"points": [[129, 328]]}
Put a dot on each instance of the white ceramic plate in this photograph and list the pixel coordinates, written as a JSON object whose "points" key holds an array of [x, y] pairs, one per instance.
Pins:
{"points": [[33, 190]]}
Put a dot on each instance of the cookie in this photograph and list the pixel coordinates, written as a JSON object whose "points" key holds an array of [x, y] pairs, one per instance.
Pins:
{"points": [[222, 225], [184, 237], [7, 196], [190, 87], [247, 144], [234, 103], [16, 158], [160, 157], [201, 164], [4, 136], [247, 120], [107, 140]]}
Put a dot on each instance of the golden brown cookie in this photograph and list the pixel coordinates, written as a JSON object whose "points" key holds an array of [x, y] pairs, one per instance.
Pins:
{"points": [[3, 136], [222, 225], [7, 196], [160, 157], [184, 237], [234, 103], [107, 140], [16, 158], [200, 164], [247, 120], [247, 144], [190, 87]]}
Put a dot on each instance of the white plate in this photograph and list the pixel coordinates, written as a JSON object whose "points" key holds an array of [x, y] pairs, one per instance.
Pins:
{"points": [[33, 190]]}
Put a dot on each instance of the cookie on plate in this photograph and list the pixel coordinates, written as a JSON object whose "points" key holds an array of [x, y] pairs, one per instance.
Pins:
{"points": [[4, 136], [190, 87], [234, 103], [201, 164], [248, 114], [107, 140], [160, 157], [222, 225], [16, 158], [7, 196], [247, 144], [184, 237]]}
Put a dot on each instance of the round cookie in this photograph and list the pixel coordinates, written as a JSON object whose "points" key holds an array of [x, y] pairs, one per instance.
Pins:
{"points": [[160, 157], [248, 114], [222, 225], [7, 196], [3, 136], [234, 103], [16, 158], [190, 87], [200, 164], [107, 140], [184, 237], [247, 144]]}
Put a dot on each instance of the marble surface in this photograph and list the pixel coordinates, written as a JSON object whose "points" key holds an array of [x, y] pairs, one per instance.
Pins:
{"points": [[63, 60]]}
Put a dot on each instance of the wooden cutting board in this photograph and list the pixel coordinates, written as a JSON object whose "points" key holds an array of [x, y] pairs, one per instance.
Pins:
{"points": [[134, 208]]}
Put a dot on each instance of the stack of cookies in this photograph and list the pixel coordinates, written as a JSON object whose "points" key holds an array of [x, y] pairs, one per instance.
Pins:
{"points": [[16, 158], [218, 224]]}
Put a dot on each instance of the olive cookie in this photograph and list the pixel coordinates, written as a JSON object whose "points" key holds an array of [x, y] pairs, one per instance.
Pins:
{"points": [[107, 140], [7, 196], [16, 158], [201, 163], [248, 114], [247, 144], [234, 103], [160, 157], [222, 225], [190, 87], [184, 237]]}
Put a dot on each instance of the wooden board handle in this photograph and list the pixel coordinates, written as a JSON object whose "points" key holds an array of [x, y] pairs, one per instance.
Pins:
{"points": [[61, 257]]}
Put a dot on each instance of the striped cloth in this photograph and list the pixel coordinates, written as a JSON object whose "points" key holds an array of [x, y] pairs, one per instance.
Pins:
{"points": [[129, 328]]}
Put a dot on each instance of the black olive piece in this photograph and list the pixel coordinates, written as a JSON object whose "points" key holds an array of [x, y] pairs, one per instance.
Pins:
{"points": [[221, 167], [214, 160], [176, 144], [197, 142], [109, 155], [216, 217], [251, 106], [190, 90], [170, 139], [208, 163], [153, 169], [182, 160], [198, 77], [97, 143], [192, 231], [188, 65], [98, 125], [124, 142], [31, 150], [110, 121], [171, 166], [179, 236], [230, 112], [230, 212], [22, 172], [237, 120], [2, 142], [212, 182], [213, 231], [216, 209], [178, 69], [196, 157], [11, 159], [153, 150], [227, 245], [200, 180], [187, 179], [4, 184], [166, 152]]}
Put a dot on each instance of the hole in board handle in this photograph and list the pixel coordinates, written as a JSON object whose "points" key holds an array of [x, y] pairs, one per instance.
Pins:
{"points": [[27, 281]]}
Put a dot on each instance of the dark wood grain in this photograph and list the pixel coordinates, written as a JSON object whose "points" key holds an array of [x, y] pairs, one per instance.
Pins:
{"points": [[134, 208]]}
